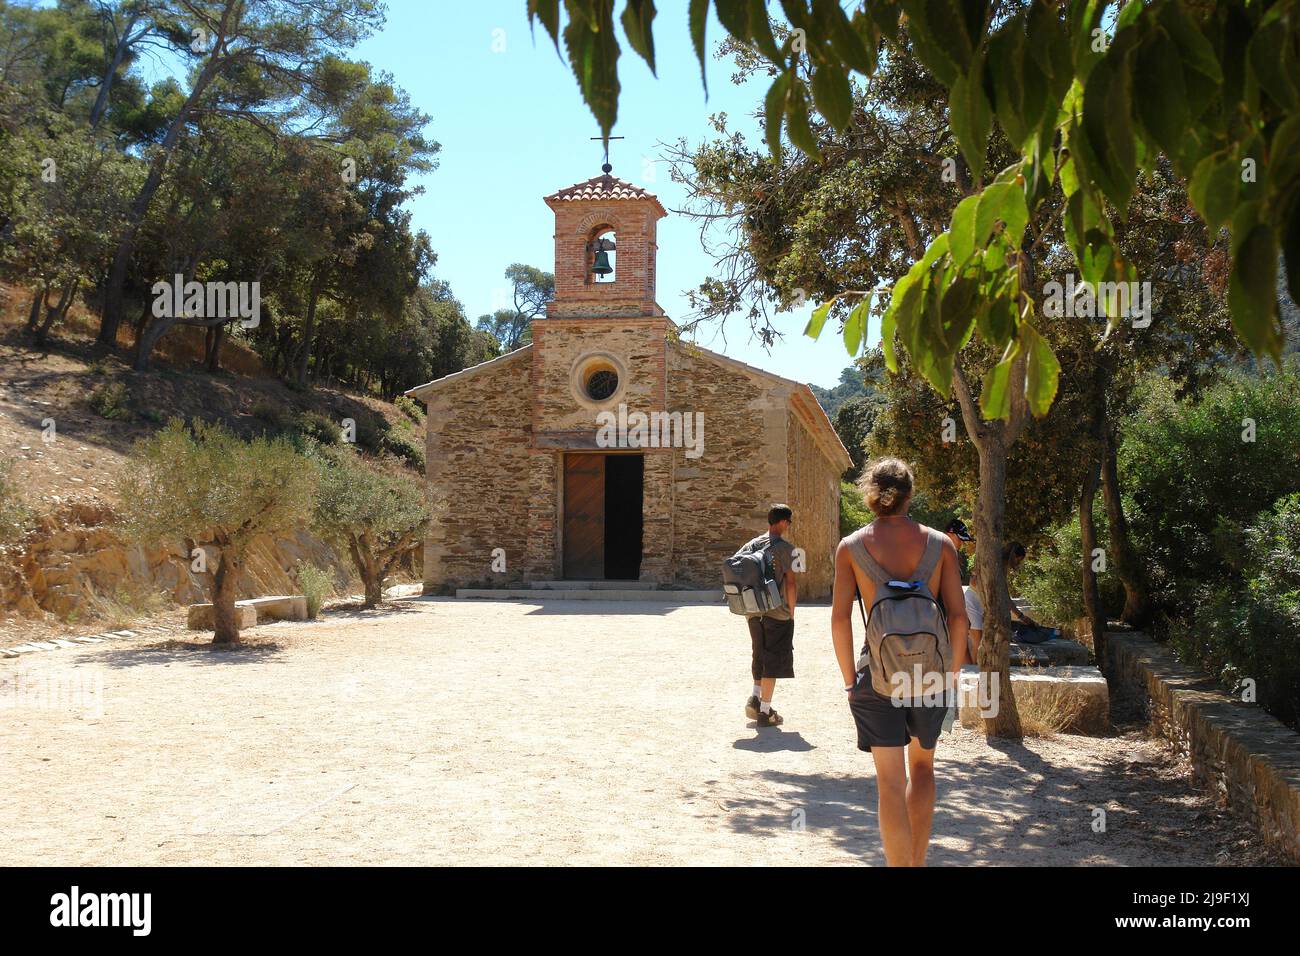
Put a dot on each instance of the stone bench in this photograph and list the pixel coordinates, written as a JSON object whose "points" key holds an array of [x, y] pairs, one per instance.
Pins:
{"points": [[279, 607], [1058, 652], [1081, 693]]}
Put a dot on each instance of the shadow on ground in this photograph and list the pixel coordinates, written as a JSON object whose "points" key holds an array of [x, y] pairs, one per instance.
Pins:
{"points": [[772, 741], [987, 815], [197, 651]]}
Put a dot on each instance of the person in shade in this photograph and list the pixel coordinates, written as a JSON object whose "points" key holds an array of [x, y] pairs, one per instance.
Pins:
{"points": [[901, 734], [771, 635], [963, 541], [1024, 629]]}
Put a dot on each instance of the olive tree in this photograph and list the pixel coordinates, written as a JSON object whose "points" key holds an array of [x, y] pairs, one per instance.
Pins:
{"points": [[378, 516], [202, 481]]}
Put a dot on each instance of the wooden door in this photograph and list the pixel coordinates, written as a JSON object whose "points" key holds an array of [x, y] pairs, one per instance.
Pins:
{"points": [[584, 516]]}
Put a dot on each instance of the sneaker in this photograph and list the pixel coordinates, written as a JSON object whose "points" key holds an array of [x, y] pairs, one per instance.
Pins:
{"points": [[770, 719], [751, 708]]}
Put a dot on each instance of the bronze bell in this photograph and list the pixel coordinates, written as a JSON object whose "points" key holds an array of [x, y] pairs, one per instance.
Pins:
{"points": [[601, 266]]}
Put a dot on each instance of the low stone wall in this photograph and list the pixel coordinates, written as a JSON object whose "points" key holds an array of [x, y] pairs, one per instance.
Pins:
{"points": [[78, 556], [1250, 758]]}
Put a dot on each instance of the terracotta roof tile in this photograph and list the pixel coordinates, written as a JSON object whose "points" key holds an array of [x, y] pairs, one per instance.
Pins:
{"points": [[601, 188]]}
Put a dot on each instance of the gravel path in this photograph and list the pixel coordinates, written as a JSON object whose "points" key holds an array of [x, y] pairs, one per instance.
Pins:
{"points": [[444, 732]]}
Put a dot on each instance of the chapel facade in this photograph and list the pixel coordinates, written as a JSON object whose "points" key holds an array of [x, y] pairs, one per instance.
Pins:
{"points": [[607, 449]]}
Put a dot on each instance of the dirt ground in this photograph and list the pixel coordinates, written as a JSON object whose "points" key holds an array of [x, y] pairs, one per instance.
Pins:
{"points": [[444, 732]]}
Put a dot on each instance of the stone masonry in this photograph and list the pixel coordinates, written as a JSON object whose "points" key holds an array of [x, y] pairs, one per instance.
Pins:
{"points": [[498, 433]]}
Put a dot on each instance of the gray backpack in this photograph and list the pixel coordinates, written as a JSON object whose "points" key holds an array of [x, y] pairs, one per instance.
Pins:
{"points": [[907, 634], [748, 581]]}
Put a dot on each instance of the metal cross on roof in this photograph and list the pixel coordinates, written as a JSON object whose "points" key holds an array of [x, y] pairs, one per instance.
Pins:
{"points": [[606, 168]]}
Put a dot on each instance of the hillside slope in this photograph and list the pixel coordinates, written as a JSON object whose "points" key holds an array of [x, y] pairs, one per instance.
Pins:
{"points": [[69, 416]]}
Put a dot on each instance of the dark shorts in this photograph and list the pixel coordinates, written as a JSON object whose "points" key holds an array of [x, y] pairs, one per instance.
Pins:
{"points": [[881, 723], [773, 646]]}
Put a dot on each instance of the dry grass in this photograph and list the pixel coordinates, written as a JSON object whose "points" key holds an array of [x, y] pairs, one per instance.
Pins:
{"points": [[126, 605], [1045, 715]]}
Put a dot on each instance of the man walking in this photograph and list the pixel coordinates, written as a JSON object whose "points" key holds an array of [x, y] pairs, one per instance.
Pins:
{"points": [[772, 634]]}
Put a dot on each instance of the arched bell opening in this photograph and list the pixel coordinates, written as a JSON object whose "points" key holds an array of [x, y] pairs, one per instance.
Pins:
{"points": [[602, 254]]}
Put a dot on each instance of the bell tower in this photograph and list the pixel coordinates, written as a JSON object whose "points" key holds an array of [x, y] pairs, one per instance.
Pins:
{"points": [[605, 247]]}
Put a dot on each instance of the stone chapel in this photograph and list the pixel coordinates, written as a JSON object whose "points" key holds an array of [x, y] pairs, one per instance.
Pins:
{"points": [[607, 449]]}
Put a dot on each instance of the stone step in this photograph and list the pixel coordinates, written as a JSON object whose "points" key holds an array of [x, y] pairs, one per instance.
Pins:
{"points": [[592, 585], [592, 594], [1080, 694]]}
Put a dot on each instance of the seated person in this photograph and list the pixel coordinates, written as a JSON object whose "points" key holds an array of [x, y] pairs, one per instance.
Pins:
{"points": [[1024, 629]]}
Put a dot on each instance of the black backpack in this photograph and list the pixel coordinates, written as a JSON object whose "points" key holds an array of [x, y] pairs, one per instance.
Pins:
{"points": [[749, 581]]}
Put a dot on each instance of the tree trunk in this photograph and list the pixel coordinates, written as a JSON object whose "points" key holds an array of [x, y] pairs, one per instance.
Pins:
{"points": [[56, 314], [119, 51], [38, 300], [141, 322], [111, 317], [374, 591], [370, 570], [1137, 595], [148, 341], [991, 573], [1092, 608], [212, 357], [304, 354], [223, 601]]}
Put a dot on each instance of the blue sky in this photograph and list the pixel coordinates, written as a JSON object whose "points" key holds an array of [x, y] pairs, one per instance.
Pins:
{"points": [[513, 129]]}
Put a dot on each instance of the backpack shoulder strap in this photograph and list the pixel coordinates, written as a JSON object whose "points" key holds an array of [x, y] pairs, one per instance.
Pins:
{"points": [[863, 559], [930, 557]]}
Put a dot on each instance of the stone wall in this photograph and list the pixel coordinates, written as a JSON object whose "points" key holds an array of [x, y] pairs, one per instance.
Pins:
{"points": [[814, 496], [77, 565], [721, 499], [1250, 759], [542, 560], [638, 345], [481, 475]]}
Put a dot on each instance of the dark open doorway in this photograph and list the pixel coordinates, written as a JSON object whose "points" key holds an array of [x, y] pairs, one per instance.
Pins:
{"points": [[602, 516], [624, 475]]}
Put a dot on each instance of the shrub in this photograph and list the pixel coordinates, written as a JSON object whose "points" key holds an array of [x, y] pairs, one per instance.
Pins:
{"points": [[322, 429], [406, 447], [1051, 577], [316, 587], [14, 513], [128, 603], [410, 408], [270, 413], [1194, 483], [854, 512], [111, 400], [371, 432], [1251, 630]]}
